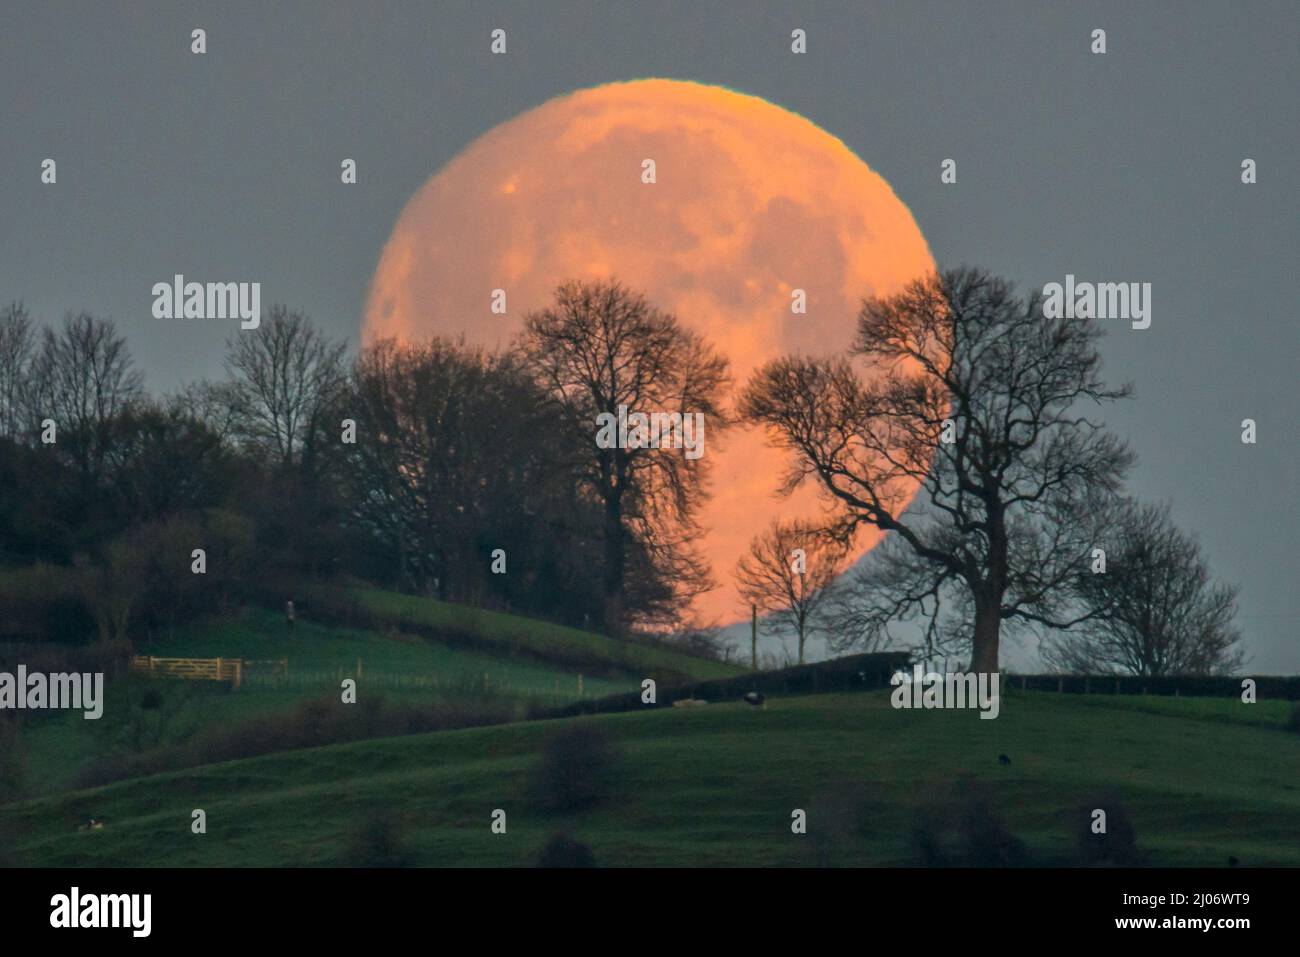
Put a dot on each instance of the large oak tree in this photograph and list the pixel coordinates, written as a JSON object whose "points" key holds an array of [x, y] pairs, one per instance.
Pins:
{"points": [[976, 397]]}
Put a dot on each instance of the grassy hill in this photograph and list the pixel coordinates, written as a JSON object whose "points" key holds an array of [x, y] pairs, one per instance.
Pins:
{"points": [[716, 786], [402, 657], [403, 669]]}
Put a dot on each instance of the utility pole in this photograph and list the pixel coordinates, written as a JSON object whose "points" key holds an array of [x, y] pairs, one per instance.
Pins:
{"points": [[753, 637]]}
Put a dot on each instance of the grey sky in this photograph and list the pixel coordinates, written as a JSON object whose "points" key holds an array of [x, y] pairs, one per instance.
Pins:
{"points": [[1117, 167]]}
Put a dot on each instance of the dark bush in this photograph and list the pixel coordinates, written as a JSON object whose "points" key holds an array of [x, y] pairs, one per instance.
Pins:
{"points": [[40, 603], [838, 819], [377, 841], [1117, 846], [575, 769], [986, 840], [563, 851], [964, 829], [929, 847]]}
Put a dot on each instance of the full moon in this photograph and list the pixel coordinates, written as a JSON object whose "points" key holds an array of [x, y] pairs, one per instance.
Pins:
{"points": [[750, 205]]}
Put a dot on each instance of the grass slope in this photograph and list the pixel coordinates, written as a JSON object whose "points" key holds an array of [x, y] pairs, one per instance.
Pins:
{"points": [[403, 669], [389, 662], [511, 634], [716, 786]]}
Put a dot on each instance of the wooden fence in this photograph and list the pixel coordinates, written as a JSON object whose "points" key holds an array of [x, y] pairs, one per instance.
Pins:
{"points": [[277, 668], [308, 675], [193, 669], [1284, 687]]}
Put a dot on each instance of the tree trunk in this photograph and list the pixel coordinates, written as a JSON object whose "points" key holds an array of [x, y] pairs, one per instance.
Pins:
{"points": [[613, 568], [988, 595], [988, 627]]}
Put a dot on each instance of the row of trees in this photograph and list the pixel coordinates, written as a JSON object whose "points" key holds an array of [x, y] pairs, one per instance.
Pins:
{"points": [[410, 465], [961, 424]]}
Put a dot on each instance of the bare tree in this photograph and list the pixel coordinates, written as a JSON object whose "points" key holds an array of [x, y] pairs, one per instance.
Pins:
{"points": [[602, 350], [286, 376], [787, 573], [419, 475], [81, 377], [895, 584], [1155, 609], [16, 343], [111, 586], [216, 404], [975, 400]]}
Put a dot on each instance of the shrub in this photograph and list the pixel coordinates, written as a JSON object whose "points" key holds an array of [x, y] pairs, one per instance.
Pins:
{"points": [[563, 851], [575, 768], [41, 603], [841, 813], [964, 829], [986, 839], [377, 841]]}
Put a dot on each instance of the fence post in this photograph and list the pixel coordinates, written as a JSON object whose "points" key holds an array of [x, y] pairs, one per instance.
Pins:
{"points": [[358, 669], [218, 674], [239, 673], [151, 666], [579, 686]]}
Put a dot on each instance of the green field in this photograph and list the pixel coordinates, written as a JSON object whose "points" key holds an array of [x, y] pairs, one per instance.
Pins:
{"points": [[401, 668], [717, 785]]}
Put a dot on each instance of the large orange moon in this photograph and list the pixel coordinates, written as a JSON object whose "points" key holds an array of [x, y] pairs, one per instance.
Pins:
{"points": [[750, 202]]}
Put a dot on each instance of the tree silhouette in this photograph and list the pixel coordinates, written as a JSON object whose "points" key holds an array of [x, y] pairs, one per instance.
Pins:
{"points": [[600, 347], [787, 573], [82, 378], [976, 400], [17, 340], [285, 376], [1155, 609]]}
